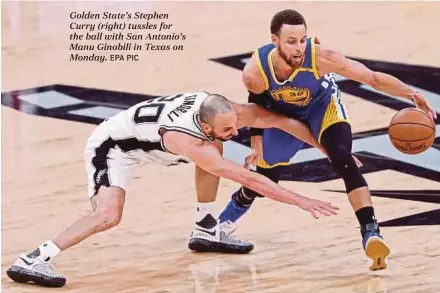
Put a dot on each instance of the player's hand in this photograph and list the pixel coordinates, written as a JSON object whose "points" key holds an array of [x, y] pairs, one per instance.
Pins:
{"points": [[256, 153], [357, 161], [424, 105], [317, 207]]}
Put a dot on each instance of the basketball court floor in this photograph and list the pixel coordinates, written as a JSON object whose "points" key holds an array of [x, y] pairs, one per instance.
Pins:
{"points": [[50, 105]]}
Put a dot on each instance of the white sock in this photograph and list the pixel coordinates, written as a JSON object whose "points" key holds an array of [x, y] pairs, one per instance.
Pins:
{"points": [[204, 209], [48, 250]]}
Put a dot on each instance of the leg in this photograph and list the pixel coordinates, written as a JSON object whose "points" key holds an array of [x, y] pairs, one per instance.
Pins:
{"points": [[206, 183], [337, 141], [206, 236], [35, 267], [278, 148], [206, 188], [109, 174], [107, 213], [242, 200]]}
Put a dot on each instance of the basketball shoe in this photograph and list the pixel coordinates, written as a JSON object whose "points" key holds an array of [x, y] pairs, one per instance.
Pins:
{"points": [[208, 237], [33, 270], [375, 247]]}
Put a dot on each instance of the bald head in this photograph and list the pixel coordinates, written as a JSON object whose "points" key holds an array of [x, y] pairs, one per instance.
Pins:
{"points": [[212, 106], [218, 118]]}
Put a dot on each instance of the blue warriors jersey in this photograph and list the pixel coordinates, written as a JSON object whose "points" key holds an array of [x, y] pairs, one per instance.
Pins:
{"points": [[304, 96], [303, 91]]}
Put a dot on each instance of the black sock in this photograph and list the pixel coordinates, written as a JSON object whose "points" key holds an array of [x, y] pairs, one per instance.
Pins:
{"points": [[365, 216], [242, 199]]}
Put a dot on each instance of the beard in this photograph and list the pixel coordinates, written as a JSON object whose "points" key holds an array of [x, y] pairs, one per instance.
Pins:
{"points": [[288, 60], [212, 134]]}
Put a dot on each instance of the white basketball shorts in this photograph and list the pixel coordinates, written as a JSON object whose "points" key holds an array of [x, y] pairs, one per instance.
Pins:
{"points": [[110, 162]]}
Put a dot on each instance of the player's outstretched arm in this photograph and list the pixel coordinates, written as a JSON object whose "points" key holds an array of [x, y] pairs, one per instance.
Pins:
{"points": [[207, 157], [252, 115], [332, 61]]}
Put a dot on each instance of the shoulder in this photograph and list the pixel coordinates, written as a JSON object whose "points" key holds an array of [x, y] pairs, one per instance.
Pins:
{"points": [[329, 60], [253, 75], [178, 142]]}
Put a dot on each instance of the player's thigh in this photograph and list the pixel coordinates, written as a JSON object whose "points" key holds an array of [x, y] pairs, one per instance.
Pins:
{"points": [[278, 148], [332, 113], [109, 171]]}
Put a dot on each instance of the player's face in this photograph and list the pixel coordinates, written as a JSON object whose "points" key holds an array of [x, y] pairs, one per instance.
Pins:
{"points": [[225, 126], [291, 44]]}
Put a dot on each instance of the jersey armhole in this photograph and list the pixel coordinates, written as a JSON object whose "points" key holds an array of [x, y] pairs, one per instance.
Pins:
{"points": [[314, 42], [164, 129]]}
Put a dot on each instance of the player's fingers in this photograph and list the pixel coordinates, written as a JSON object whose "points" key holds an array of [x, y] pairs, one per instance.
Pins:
{"points": [[249, 161], [252, 160], [323, 211], [433, 114], [430, 114], [357, 162], [315, 214], [330, 209], [246, 163], [330, 206]]}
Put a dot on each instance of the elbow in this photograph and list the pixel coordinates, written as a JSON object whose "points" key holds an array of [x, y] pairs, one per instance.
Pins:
{"points": [[241, 175], [247, 79]]}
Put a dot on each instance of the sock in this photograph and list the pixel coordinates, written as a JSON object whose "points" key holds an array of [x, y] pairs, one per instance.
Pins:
{"points": [[46, 252], [205, 215], [365, 216], [234, 210], [242, 199]]}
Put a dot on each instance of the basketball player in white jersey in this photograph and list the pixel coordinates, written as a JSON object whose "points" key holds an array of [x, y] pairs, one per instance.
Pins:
{"points": [[167, 130]]}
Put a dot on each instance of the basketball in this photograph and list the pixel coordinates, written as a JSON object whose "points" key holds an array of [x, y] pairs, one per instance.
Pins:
{"points": [[411, 131]]}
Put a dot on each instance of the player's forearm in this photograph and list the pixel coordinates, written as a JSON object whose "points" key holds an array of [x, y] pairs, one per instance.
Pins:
{"points": [[254, 181], [270, 189], [388, 84]]}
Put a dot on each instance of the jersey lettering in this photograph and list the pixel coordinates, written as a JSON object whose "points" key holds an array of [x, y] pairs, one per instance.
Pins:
{"points": [[148, 113]]}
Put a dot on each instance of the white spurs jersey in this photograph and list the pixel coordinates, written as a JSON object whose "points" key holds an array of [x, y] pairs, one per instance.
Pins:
{"points": [[135, 131]]}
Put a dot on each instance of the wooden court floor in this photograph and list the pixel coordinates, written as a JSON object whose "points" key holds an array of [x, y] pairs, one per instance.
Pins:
{"points": [[43, 179]]}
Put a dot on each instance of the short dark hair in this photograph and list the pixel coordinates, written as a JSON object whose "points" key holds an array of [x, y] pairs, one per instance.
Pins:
{"points": [[212, 106], [288, 16]]}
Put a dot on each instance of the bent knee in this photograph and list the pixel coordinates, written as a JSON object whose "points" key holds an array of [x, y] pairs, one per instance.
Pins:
{"points": [[342, 159], [107, 217]]}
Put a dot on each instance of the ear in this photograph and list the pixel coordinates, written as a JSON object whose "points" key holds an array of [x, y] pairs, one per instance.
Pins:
{"points": [[205, 127], [274, 39]]}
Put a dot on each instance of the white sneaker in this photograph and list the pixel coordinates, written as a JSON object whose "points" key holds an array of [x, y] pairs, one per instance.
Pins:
{"points": [[228, 227], [33, 270], [216, 240]]}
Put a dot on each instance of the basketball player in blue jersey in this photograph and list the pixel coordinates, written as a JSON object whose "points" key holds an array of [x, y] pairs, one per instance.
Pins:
{"points": [[293, 76]]}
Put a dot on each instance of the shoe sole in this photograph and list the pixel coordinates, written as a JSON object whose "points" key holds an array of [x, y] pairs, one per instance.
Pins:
{"points": [[377, 250], [203, 245], [22, 275]]}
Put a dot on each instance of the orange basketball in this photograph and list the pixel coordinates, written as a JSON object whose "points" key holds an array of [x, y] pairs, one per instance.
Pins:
{"points": [[411, 131]]}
